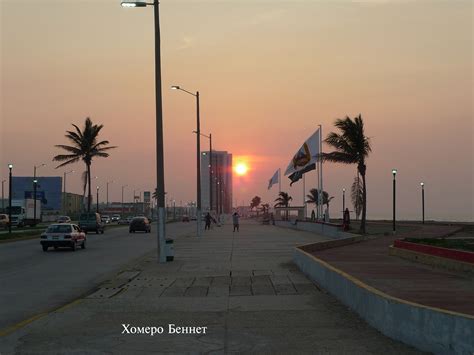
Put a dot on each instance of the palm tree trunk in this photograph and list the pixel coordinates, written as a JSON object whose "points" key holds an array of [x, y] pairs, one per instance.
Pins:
{"points": [[89, 197], [364, 204]]}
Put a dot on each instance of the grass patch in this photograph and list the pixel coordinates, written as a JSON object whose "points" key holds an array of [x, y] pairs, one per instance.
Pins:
{"points": [[20, 235], [458, 244]]}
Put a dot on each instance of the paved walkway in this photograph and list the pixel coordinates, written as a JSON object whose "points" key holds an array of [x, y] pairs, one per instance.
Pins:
{"points": [[242, 286], [370, 262]]}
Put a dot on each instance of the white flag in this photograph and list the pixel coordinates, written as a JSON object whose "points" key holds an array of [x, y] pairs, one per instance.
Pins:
{"points": [[273, 180], [306, 155]]}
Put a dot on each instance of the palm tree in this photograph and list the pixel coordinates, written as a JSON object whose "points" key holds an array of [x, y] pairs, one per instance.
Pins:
{"points": [[313, 197], [85, 146], [255, 203], [351, 147], [283, 200], [356, 196]]}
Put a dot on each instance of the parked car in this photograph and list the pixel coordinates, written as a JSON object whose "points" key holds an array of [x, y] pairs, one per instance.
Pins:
{"points": [[91, 222], [63, 235], [106, 219], [115, 218], [185, 218], [4, 221], [140, 224], [64, 219]]}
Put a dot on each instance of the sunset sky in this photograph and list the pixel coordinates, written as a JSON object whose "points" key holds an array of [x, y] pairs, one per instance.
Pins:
{"points": [[269, 72]]}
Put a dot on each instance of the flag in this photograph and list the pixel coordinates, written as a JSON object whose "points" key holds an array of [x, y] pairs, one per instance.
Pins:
{"points": [[306, 155], [299, 174], [273, 180]]}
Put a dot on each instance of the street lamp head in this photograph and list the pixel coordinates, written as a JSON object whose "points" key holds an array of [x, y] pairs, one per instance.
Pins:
{"points": [[394, 172], [10, 166], [422, 184], [344, 190], [134, 4], [175, 87], [97, 188]]}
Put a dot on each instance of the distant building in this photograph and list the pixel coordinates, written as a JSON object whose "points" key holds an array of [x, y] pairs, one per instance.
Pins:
{"points": [[48, 190], [221, 182], [72, 204]]}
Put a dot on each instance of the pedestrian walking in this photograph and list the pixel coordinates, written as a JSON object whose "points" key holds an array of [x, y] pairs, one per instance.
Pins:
{"points": [[235, 220], [207, 219], [346, 220]]}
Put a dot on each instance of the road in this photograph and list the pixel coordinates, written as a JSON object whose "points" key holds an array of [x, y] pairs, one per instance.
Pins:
{"points": [[34, 282]]}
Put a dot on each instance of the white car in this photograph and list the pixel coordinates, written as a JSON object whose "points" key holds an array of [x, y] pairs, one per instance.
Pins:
{"points": [[105, 219], [64, 219], [115, 218], [63, 235]]}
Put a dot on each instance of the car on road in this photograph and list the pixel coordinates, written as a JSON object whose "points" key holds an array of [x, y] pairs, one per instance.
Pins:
{"points": [[64, 219], [91, 222], [140, 224], [115, 218], [63, 235], [106, 219], [185, 218], [4, 221], [123, 221]]}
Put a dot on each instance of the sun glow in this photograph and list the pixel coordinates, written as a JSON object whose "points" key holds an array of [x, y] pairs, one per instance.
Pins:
{"points": [[241, 169]]}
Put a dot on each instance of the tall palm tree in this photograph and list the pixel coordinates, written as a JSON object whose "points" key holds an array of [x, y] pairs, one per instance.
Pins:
{"points": [[85, 146], [351, 146], [356, 196], [313, 197], [283, 200]]}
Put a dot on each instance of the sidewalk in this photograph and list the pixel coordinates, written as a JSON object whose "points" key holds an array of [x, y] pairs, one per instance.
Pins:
{"points": [[242, 286], [370, 262]]}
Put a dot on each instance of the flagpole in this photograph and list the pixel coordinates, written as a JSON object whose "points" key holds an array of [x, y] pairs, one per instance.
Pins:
{"points": [[279, 180], [321, 168]]}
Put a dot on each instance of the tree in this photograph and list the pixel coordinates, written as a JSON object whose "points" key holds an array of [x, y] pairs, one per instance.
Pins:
{"points": [[283, 200], [357, 195], [255, 202], [313, 197], [85, 146], [351, 147]]}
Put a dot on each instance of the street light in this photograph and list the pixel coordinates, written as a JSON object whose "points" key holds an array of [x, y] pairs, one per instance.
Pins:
{"points": [[210, 168], [97, 199], [10, 167], [343, 202], [198, 156], [423, 201], [35, 182], [394, 172], [160, 172], [65, 193]]}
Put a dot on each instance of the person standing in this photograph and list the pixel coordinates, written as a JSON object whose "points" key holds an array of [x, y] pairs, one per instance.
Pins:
{"points": [[235, 220], [208, 221]]}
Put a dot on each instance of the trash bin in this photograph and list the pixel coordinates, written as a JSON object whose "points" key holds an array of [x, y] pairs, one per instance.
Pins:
{"points": [[169, 249]]}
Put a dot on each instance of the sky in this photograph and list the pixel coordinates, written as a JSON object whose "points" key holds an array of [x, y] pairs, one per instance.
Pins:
{"points": [[268, 73]]}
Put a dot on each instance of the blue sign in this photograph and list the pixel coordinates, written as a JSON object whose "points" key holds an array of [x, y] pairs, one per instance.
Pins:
{"points": [[48, 190]]}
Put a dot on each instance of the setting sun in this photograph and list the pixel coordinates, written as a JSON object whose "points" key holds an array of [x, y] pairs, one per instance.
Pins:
{"points": [[241, 169]]}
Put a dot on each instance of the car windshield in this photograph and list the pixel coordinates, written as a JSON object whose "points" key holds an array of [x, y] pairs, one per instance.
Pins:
{"points": [[59, 228]]}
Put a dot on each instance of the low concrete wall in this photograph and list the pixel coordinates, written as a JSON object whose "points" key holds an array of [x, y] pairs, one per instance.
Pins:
{"points": [[432, 260], [328, 230], [426, 328]]}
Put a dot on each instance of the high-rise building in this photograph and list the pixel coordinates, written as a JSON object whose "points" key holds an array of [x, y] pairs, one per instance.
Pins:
{"points": [[221, 184]]}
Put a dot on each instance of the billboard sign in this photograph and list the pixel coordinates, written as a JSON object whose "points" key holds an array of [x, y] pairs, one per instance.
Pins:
{"points": [[48, 190]]}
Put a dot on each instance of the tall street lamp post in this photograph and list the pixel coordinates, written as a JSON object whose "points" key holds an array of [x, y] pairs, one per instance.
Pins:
{"points": [[160, 172], [10, 167], [210, 168], [65, 192], [123, 187], [394, 172], [343, 202], [35, 183], [3, 197], [198, 156], [422, 202], [97, 199]]}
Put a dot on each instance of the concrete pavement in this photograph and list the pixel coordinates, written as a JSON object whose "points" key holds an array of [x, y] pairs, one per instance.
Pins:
{"points": [[241, 286]]}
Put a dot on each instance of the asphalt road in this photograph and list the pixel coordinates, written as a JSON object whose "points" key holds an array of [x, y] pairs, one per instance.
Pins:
{"points": [[34, 282]]}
